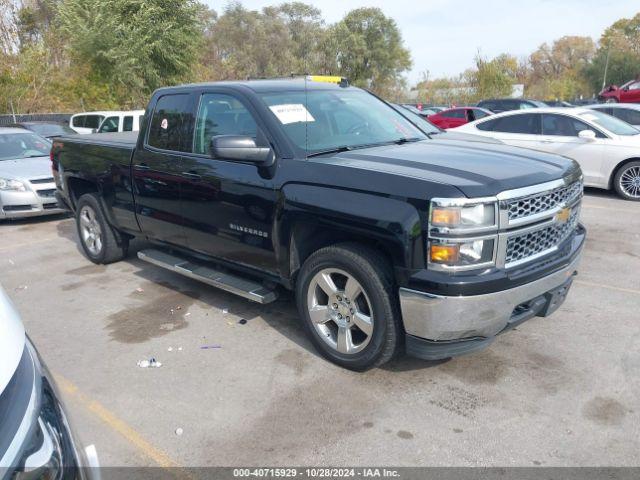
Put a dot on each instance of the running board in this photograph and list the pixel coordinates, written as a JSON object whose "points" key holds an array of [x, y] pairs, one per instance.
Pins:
{"points": [[242, 287]]}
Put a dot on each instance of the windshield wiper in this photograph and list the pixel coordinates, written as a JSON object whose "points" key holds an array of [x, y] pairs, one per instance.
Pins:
{"points": [[344, 148]]}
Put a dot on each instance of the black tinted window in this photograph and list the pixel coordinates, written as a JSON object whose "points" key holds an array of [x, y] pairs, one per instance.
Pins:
{"points": [[93, 121], [453, 114], [78, 121], [109, 125], [563, 126], [127, 124], [171, 123], [488, 105], [528, 123], [628, 115]]}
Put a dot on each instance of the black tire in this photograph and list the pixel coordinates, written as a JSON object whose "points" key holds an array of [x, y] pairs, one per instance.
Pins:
{"points": [[374, 274], [110, 249], [625, 191]]}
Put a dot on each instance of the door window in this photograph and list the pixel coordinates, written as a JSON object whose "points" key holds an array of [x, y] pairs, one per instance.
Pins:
{"points": [[93, 121], [110, 124], [171, 123], [127, 124], [527, 123], [477, 114], [220, 114], [453, 114], [634, 86], [563, 126], [628, 115]]}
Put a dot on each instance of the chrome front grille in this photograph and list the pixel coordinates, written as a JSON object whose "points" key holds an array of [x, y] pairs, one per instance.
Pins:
{"points": [[520, 208], [526, 247]]}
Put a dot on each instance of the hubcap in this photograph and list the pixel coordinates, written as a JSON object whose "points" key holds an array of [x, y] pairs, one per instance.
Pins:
{"points": [[630, 182], [90, 230], [340, 310]]}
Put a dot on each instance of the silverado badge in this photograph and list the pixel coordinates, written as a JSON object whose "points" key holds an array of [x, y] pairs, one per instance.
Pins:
{"points": [[563, 215]]}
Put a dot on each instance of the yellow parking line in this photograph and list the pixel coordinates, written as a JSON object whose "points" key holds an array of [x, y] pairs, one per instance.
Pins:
{"points": [[116, 424], [608, 287]]}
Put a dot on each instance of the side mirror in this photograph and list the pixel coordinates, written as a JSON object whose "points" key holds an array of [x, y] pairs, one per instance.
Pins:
{"points": [[241, 148], [588, 135]]}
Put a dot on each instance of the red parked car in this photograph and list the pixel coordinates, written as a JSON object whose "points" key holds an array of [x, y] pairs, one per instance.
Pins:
{"points": [[627, 93], [455, 117]]}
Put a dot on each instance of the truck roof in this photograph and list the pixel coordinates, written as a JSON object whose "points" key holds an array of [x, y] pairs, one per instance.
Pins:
{"points": [[270, 85]]}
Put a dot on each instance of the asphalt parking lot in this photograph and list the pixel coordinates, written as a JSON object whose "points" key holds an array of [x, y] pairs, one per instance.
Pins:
{"points": [[557, 391]]}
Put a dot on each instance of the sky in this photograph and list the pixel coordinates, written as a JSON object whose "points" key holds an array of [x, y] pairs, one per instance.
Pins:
{"points": [[445, 35]]}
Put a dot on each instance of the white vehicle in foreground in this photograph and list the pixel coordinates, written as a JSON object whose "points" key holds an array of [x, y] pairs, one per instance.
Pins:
{"points": [[627, 112], [36, 440], [607, 149], [128, 121]]}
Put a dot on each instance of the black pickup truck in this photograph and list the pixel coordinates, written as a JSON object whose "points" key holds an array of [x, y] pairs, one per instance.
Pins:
{"points": [[393, 237]]}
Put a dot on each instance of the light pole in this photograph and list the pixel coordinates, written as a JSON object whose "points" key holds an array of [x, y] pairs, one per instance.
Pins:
{"points": [[606, 67]]}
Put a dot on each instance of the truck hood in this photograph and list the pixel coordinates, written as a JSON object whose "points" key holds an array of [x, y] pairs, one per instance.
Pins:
{"points": [[12, 340], [25, 168], [475, 168]]}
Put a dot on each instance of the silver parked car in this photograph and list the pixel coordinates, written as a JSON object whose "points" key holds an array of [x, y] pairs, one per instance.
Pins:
{"points": [[36, 440], [26, 182]]}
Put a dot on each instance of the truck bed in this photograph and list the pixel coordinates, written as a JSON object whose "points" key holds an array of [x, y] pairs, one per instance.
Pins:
{"points": [[121, 139]]}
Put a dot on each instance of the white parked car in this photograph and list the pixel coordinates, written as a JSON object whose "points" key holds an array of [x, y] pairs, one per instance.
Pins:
{"points": [[627, 112], [88, 122], [36, 440], [27, 187], [122, 122], [607, 149]]}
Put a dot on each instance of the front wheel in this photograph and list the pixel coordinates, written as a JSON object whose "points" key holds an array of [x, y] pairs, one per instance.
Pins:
{"points": [[97, 237], [611, 100], [627, 181], [346, 298]]}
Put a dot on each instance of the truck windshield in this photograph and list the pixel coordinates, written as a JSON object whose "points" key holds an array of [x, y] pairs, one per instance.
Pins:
{"points": [[325, 120], [613, 124], [14, 146]]}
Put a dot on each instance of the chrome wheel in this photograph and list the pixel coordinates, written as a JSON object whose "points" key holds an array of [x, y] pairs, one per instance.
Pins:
{"points": [[630, 181], [90, 230], [340, 310]]}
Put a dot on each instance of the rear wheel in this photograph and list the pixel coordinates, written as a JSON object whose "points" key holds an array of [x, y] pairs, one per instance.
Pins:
{"points": [[348, 304], [627, 181], [97, 237]]}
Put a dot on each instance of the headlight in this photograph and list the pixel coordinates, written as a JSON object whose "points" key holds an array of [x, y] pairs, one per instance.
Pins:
{"points": [[462, 233], [461, 253], [463, 217], [10, 184]]}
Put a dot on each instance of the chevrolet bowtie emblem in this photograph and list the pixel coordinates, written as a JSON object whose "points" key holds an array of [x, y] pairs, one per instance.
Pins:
{"points": [[563, 215]]}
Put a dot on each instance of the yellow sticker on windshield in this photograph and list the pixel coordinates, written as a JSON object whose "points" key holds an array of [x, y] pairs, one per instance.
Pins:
{"points": [[292, 113]]}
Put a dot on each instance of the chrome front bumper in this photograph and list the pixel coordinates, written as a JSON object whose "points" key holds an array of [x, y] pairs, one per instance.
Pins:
{"points": [[444, 318]]}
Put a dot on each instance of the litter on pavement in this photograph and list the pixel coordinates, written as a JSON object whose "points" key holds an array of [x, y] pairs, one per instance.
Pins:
{"points": [[151, 363]]}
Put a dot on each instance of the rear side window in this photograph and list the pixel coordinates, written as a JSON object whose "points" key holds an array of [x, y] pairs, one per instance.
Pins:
{"points": [[527, 124], [78, 121], [127, 124], [171, 123]]}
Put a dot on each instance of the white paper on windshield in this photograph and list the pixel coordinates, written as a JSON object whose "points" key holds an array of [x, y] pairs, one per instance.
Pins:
{"points": [[292, 113]]}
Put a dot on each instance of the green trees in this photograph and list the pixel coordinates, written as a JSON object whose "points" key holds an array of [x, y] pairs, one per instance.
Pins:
{"points": [[621, 43], [368, 49]]}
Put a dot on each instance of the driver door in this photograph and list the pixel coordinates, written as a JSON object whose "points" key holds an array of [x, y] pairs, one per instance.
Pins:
{"points": [[560, 136], [228, 205]]}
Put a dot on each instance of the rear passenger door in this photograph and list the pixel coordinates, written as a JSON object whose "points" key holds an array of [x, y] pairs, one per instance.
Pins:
{"points": [[158, 169], [228, 205], [518, 129]]}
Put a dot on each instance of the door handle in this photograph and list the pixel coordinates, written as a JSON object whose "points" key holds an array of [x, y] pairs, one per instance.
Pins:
{"points": [[192, 174], [141, 166]]}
